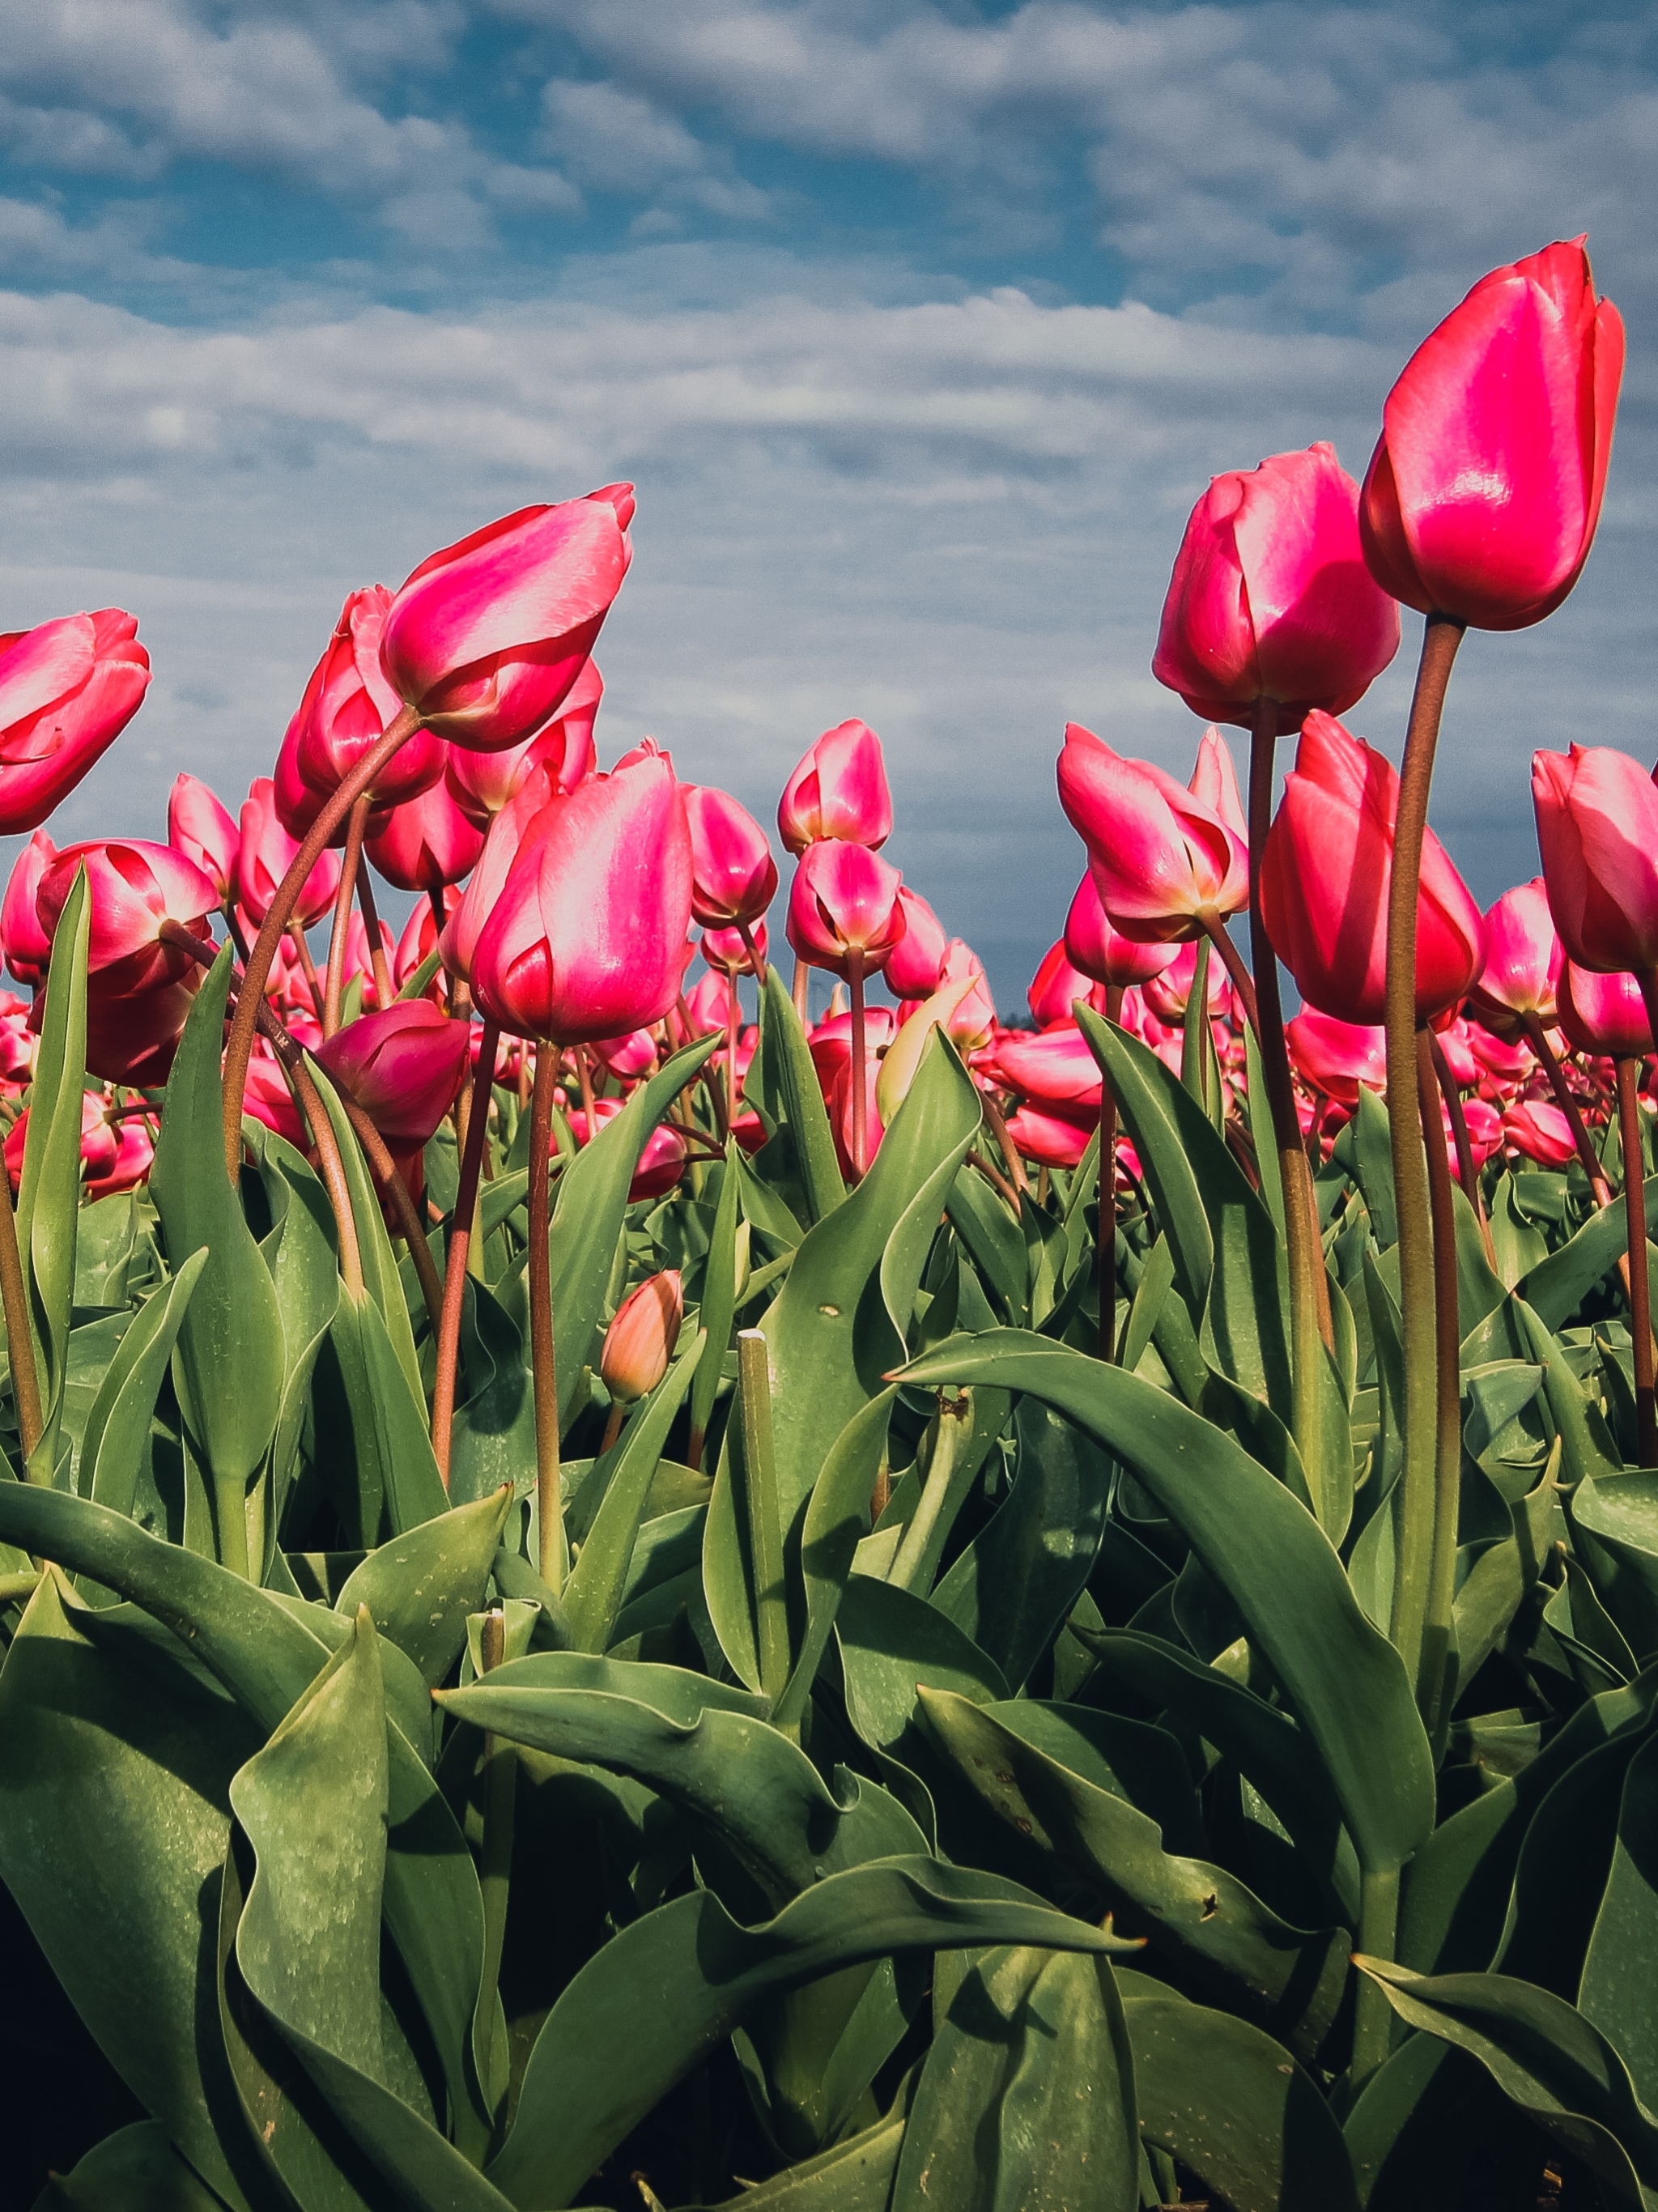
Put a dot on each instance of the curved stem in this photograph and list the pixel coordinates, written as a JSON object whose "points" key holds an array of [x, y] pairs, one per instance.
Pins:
{"points": [[755, 960], [307, 965], [733, 1019], [549, 1504], [1433, 1685], [331, 1168], [350, 864], [1414, 1560], [371, 922], [798, 987], [1004, 1144], [1378, 1933], [994, 1176], [460, 1241], [1106, 1238], [1537, 1036], [234, 931], [240, 1045], [1635, 1219], [585, 1078], [20, 1342], [1467, 1173], [860, 1072]]}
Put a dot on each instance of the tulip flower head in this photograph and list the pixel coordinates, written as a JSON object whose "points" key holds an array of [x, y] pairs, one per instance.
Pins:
{"points": [[639, 1341], [1091, 945], [844, 902], [199, 825], [1603, 1012], [349, 706], [1597, 828], [838, 790], [726, 949], [1336, 1056], [1484, 489], [1056, 987], [27, 946], [1540, 1132], [734, 877], [68, 688], [916, 961], [1523, 953], [133, 888], [486, 639], [403, 1066], [481, 783], [426, 843], [1163, 860], [264, 853], [1270, 599]]}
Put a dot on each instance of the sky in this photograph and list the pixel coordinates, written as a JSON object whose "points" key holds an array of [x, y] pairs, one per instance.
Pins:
{"points": [[919, 324]]}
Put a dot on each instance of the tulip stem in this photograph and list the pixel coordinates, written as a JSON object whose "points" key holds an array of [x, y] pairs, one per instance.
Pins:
{"points": [[20, 1344], [1467, 1173], [1549, 1060], [1378, 1934], [860, 1072], [733, 1019], [1106, 1239], [1413, 1571], [307, 965], [239, 1047], [331, 1168], [1433, 1682], [234, 931], [456, 1260], [994, 1176], [1004, 1144], [549, 1504], [800, 985], [356, 822], [370, 922], [755, 960], [1640, 1290]]}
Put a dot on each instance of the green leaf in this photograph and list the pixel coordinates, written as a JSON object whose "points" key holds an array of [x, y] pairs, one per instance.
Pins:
{"points": [[421, 1588], [116, 1433], [1556, 1286], [49, 1193], [384, 1446], [891, 1642], [855, 2176], [717, 1308], [1172, 1135], [672, 1986], [228, 1362], [995, 1242], [135, 2169], [789, 1060], [1340, 1676], [593, 1593], [837, 1519], [1614, 1520], [1502, 1577], [1621, 1970], [1027, 2097], [381, 1279]]}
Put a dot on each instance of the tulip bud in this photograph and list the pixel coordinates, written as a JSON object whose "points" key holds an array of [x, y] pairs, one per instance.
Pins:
{"points": [[426, 843], [199, 826], [840, 790], [1597, 827], [27, 946], [403, 1066], [133, 888], [481, 784], [639, 1342], [1539, 1132], [349, 706], [844, 901], [1056, 987], [1163, 860], [734, 877], [264, 853], [916, 961], [1523, 953], [726, 949], [68, 688], [1336, 1056], [1098, 950], [1604, 1013]]}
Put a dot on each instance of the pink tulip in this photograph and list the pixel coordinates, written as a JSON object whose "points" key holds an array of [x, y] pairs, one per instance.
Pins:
{"points": [[420, 936], [134, 1151], [710, 1004], [915, 964], [1270, 599], [1324, 885], [1457, 1053], [724, 948], [98, 1146], [1054, 1068], [1484, 1124], [1161, 859], [1522, 961], [264, 855], [973, 1019], [199, 826], [662, 1162], [627, 1057], [17, 1041], [1334, 1056], [349, 706], [844, 901], [1115, 961], [518, 827], [28, 948], [1503, 1064], [588, 937], [403, 1066], [840, 790], [486, 638], [1484, 492], [481, 783], [1056, 987], [1597, 826], [426, 843], [68, 688], [734, 877], [1604, 1013], [133, 887], [1540, 1132], [1169, 992], [640, 1340], [268, 1099]]}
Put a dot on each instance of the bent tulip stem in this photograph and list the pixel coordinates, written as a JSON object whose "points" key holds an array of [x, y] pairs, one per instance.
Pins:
{"points": [[755, 960], [350, 865], [238, 1045], [460, 1241], [1635, 1219], [1537, 1036], [1413, 1571], [331, 1168], [1432, 1683], [378, 964], [1107, 1239], [549, 1503], [20, 1344], [1467, 1173], [860, 1070], [1004, 1144]]}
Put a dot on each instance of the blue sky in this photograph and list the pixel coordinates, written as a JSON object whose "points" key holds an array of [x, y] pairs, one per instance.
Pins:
{"points": [[919, 325]]}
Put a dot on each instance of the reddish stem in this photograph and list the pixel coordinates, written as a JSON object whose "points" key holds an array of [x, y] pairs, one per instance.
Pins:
{"points": [[371, 922], [460, 1241], [333, 990], [1635, 1218]]}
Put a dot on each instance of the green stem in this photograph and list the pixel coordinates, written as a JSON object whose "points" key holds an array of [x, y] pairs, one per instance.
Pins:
{"points": [[351, 861], [1635, 1219], [1108, 1196], [1414, 1560], [230, 1512], [860, 1068], [1433, 1683], [765, 1528], [495, 1858], [20, 1342], [1378, 1934], [549, 1508], [951, 1424]]}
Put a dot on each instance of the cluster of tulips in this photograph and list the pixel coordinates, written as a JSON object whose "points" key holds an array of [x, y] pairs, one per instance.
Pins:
{"points": [[844, 1471]]}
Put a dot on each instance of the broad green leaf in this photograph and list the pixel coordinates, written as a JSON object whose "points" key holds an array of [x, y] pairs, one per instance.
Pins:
{"points": [[892, 1642], [384, 1444], [837, 1519], [1615, 1521], [106, 1240], [1172, 1135], [381, 1279], [1519, 1244], [1556, 1286], [1341, 1677], [717, 1308], [593, 1593], [48, 1192], [135, 2169], [1620, 1973], [789, 1062], [670, 1987], [1501, 1577], [116, 1433], [1027, 2096], [994, 1241], [421, 1588], [855, 2176]]}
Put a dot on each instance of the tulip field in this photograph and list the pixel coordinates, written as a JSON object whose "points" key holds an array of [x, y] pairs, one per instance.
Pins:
{"points": [[619, 1590]]}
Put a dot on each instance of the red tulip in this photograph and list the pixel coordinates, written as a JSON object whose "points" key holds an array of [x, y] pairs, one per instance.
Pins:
{"points": [[1324, 885], [724, 949], [844, 900], [132, 887], [588, 937], [1540, 1132], [268, 1099], [1604, 1013], [1597, 825], [1335, 1056], [481, 783], [132, 1034], [17, 1041], [68, 688], [1055, 1068], [349, 706], [734, 877], [1483, 491], [627, 1057], [403, 1066], [1270, 599], [426, 843], [517, 828], [98, 1146], [27, 946], [1056, 987], [1052, 1139], [420, 936], [486, 638], [662, 1162], [839, 789], [1523, 955], [640, 1339], [199, 826], [1163, 859], [1094, 946], [134, 1152], [264, 853]]}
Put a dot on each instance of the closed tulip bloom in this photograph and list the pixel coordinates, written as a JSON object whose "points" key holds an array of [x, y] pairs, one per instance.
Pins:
{"points": [[348, 706], [268, 1099], [588, 937], [1169, 992], [1093, 945], [135, 1154], [264, 853], [68, 688], [627, 1057], [481, 783], [403, 1066], [839, 789], [1163, 859], [426, 843], [1604, 1013], [1540, 1132], [517, 827], [420, 936], [1335, 1056], [1523, 953], [639, 1342], [734, 877], [844, 900], [27, 946], [661, 1163], [916, 963], [1056, 987], [708, 1004], [198, 825], [1055, 1068], [486, 638], [1050, 1137], [132, 1034], [1597, 828], [133, 887], [724, 948], [1270, 599], [1324, 885], [1484, 492]]}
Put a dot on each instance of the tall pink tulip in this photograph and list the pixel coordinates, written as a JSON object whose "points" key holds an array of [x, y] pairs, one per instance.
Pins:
{"points": [[1164, 862], [1597, 827], [486, 638], [133, 888], [587, 939], [839, 789], [1324, 885], [844, 903], [1055, 988], [425, 842], [27, 947], [1484, 489], [1270, 599], [199, 825], [517, 827], [1523, 955], [68, 688], [1336, 1056], [349, 706], [264, 852], [734, 875]]}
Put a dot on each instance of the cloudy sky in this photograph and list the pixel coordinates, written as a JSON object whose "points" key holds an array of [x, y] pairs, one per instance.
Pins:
{"points": [[919, 323]]}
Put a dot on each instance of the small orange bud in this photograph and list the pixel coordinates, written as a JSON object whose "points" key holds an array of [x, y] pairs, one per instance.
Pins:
{"points": [[639, 1341]]}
